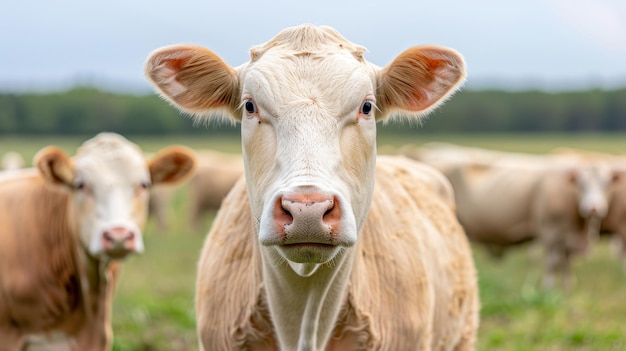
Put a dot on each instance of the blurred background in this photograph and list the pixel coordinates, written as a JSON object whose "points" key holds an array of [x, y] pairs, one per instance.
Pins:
{"points": [[542, 74]]}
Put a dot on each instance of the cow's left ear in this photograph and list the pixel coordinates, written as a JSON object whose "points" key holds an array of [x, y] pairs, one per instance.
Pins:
{"points": [[172, 165], [418, 80], [55, 166]]}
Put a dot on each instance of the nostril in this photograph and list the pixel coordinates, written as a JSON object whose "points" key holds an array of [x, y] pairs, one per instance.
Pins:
{"points": [[286, 212], [282, 214], [333, 213], [130, 237]]}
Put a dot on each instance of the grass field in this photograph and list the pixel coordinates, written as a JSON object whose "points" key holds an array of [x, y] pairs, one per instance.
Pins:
{"points": [[154, 307]]}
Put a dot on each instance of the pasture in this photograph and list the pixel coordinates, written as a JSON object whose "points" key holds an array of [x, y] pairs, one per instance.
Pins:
{"points": [[154, 304]]}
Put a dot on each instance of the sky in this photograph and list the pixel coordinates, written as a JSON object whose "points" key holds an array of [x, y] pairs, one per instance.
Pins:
{"points": [[530, 44]]}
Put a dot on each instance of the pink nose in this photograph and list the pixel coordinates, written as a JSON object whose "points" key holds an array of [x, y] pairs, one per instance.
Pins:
{"points": [[119, 239], [307, 215]]}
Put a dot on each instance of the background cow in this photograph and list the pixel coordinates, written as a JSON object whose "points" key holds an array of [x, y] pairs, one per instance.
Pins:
{"points": [[304, 264], [505, 199], [12, 160], [65, 226]]}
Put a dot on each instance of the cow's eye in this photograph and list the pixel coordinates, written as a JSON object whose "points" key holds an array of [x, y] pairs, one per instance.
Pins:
{"points": [[250, 107], [79, 184], [366, 107], [144, 185]]}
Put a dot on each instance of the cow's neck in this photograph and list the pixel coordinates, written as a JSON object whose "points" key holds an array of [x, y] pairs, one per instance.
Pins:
{"points": [[304, 309], [96, 284]]}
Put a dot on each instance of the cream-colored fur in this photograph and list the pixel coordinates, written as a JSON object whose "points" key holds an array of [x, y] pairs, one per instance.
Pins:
{"points": [[308, 103], [412, 284]]}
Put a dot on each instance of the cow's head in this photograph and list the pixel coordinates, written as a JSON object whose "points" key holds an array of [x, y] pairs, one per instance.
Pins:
{"points": [[308, 103], [109, 178], [594, 181]]}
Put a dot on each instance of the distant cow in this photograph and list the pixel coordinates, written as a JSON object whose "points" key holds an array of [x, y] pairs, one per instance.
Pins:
{"points": [[64, 227], [296, 258], [12, 160], [505, 199]]}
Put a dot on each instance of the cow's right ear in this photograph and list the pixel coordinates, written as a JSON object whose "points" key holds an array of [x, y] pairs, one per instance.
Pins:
{"points": [[171, 165], [55, 166], [194, 79]]}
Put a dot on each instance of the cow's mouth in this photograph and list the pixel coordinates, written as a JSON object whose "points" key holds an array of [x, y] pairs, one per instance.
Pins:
{"points": [[309, 252], [309, 245], [118, 254]]}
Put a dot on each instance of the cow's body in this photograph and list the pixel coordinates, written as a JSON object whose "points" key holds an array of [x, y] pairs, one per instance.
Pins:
{"points": [[334, 274], [410, 286], [62, 238], [505, 199]]}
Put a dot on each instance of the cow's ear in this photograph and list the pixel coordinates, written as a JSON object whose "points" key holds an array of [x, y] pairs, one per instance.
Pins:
{"points": [[419, 80], [55, 166], [172, 165], [195, 80]]}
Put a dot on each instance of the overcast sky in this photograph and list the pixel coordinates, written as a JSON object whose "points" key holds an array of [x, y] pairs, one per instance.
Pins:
{"points": [[544, 44]]}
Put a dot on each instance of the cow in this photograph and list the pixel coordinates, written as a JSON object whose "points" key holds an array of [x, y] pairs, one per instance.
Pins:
{"points": [[505, 199], [12, 160], [319, 246], [66, 226]]}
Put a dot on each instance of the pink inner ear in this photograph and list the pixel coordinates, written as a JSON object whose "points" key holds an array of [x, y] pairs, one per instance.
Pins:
{"points": [[164, 72], [175, 64], [421, 77]]}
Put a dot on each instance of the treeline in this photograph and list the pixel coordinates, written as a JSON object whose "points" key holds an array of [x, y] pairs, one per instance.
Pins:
{"points": [[88, 111]]}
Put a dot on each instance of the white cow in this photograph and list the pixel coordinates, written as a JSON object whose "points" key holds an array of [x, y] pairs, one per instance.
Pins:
{"points": [[302, 262], [505, 199]]}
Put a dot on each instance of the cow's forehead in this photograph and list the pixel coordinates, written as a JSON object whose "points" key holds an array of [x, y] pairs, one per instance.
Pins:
{"points": [[308, 64], [110, 156], [308, 40]]}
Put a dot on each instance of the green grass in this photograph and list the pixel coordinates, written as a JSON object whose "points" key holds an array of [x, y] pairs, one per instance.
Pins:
{"points": [[154, 304]]}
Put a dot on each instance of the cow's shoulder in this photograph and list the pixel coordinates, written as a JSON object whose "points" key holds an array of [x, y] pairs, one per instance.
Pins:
{"points": [[411, 248]]}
